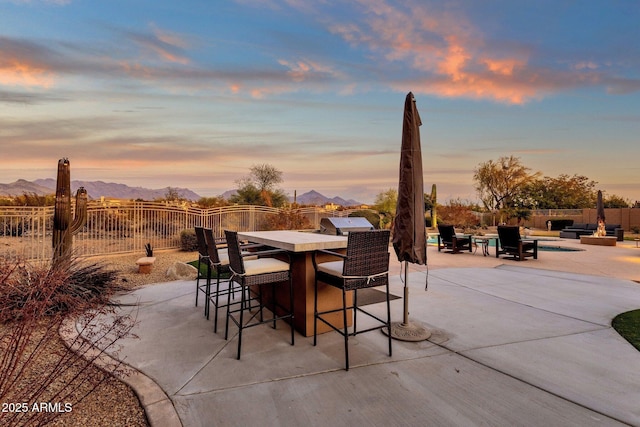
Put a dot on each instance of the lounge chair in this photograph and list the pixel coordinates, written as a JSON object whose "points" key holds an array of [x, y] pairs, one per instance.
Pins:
{"points": [[510, 243], [447, 239]]}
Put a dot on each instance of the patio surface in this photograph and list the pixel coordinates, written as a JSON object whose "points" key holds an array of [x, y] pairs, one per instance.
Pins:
{"points": [[513, 343]]}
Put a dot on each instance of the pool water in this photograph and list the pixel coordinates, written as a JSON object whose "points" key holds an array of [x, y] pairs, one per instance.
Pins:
{"points": [[558, 249]]}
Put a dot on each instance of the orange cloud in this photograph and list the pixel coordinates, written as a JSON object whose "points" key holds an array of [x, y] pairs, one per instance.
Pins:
{"points": [[454, 61], [503, 67], [304, 69], [167, 46], [451, 52], [14, 72]]}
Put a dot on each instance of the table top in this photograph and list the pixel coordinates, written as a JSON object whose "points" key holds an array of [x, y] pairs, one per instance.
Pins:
{"points": [[295, 241], [485, 237]]}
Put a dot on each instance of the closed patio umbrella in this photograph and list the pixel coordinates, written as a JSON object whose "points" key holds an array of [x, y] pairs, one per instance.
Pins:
{"points": [[409, 233], [600, 215], [600, 207]]}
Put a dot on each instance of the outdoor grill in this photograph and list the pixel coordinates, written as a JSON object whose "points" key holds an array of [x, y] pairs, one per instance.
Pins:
{"points": [[342, 226]]}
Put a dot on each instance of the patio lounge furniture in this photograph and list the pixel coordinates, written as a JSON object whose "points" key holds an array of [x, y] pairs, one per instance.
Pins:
{"points": [[253, 275], [510, 243], [577, 229], [365, 265], [447, 239]]}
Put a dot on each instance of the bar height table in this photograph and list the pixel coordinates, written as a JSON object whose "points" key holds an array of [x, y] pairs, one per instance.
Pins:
{"points": [[301, 246]]}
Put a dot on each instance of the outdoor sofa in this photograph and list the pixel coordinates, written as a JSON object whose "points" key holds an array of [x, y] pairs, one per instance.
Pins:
{"points": [[581, 229]]}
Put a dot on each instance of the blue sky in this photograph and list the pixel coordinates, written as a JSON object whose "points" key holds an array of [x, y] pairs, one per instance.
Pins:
{"points": [[193, 93]]}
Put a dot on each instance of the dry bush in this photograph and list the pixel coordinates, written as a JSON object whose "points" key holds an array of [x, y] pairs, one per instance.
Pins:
{"points": [[38, 384], [458, 214], [287, 219]]}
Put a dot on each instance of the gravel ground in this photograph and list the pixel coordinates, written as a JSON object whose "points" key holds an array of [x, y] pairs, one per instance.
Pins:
{"points": [[113, 403], [129, 276]]}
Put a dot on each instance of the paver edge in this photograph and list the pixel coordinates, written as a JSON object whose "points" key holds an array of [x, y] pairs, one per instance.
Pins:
{"points": [[157, 406]]}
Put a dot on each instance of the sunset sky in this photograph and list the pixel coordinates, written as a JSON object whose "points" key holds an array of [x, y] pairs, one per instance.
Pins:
{"points": [[193, 93]]}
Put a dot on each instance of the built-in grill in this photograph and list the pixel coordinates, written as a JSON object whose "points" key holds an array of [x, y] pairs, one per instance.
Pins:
{"points": [[342, 226]]}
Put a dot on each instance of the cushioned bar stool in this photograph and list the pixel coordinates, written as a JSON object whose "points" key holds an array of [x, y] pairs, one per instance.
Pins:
{"points": [[365, 265], [203, 259], [253, 275], [218, 263]]}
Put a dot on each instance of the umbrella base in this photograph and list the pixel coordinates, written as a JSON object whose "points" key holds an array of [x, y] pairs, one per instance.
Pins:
{"points": [[408, 332]]}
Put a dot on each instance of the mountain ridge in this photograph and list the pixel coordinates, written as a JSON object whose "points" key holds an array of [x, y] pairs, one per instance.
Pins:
{"points": [[97, 189]]}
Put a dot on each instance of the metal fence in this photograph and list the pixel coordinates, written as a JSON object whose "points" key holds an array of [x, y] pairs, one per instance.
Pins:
{"points": [[112, 228]]}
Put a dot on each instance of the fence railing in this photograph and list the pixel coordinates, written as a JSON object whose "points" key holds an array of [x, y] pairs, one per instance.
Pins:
{"points": [[112, 228]]}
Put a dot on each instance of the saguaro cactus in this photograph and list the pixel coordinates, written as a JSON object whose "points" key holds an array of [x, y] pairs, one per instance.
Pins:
{"points": [[63, 226], [434, 195]]}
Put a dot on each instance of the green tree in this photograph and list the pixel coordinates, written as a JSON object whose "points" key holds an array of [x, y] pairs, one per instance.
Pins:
{"points": [[615, 201], [500, 182], [173, 195], [371, 216], [563, 192], [259, 187], [385, 204], [211, 202]]}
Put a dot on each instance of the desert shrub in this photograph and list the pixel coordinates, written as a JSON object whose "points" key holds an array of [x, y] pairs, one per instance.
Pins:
{"points": [[13, 227], [458, 214], [34, 303], [110, 222], [68, 286], [188, 240], [371, 216], [287, 219]]}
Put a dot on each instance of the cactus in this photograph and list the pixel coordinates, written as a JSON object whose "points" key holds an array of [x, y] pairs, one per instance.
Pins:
{"points": [[434, 195], [63, 226], [148, 249]]}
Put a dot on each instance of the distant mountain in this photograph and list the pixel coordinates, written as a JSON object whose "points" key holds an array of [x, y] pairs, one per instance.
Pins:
{"points": [[228, 194], [95, 190], [314, 198], [21, 187]]}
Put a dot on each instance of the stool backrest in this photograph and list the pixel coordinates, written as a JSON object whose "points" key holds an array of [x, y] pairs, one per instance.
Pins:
{"points": [[367, 253]]}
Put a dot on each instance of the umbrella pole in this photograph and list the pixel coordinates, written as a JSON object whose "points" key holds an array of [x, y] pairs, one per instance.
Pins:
{"points": [[407, 331], [405, 319]]}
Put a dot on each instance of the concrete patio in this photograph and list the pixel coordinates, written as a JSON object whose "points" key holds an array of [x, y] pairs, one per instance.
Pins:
{"points": [[514, 343]]}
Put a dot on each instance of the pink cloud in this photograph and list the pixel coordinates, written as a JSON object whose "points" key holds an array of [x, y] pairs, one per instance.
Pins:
{"points": [[167, 46], [453, 55], [20, 72]]}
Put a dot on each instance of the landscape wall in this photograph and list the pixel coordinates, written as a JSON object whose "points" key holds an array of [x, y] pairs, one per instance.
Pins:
{"points": [[626, 217]]}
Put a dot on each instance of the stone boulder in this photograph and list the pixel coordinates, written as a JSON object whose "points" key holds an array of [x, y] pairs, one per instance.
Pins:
{"points": [[182, 271]]}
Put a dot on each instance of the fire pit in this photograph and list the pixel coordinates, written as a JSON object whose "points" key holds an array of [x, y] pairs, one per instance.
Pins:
{"points": [[598, 240]]}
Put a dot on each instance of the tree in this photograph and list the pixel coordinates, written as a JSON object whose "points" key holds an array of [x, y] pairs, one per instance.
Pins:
{"points": [[265, 177], [259, 188], [172, 195], [458, 213], [499, 183], [385, 204], [563, 192], [615, 201], [33, 199], [211, 202]]}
